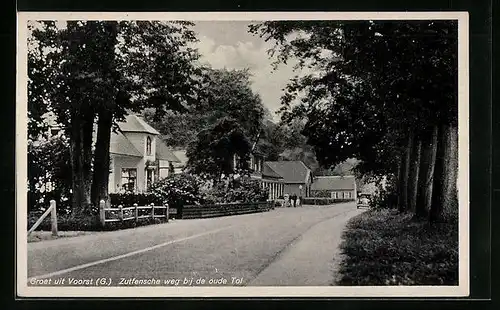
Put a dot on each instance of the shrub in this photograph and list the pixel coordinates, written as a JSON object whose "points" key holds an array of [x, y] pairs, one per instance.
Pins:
{"points": [[49, 174], [321, 193], [66, 222], [178, 190], [323, 201], [240, 190], [128, 199]]}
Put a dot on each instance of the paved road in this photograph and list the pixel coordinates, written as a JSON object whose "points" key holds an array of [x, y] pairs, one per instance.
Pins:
{"points": [[285, 246]]}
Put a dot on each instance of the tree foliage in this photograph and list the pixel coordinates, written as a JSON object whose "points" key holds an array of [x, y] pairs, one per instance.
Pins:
{"points": [[222, 93], [105, 69], [213, 151], [378, 90], [49, 173], [371, 81]]}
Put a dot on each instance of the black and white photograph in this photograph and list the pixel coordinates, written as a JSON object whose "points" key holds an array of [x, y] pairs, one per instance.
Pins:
{"points": [[232, 154]]}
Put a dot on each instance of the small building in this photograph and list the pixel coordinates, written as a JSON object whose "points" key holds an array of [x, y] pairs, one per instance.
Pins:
{"points": [[268, 178], [335, 187], [138, 156], [296, 177]]}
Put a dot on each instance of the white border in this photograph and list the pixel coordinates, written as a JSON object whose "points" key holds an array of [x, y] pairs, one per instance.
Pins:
{"points": [[23, 290]]}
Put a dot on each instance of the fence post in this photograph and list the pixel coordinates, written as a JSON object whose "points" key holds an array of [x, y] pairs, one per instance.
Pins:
{"points": [[153, 211], [102, 212], [53, 217], [136, 210], [120, 213]]}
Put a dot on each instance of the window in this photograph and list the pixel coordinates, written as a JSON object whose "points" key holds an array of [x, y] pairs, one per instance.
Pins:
{"points": [[148, 146], [129, 179], [334, 195]]}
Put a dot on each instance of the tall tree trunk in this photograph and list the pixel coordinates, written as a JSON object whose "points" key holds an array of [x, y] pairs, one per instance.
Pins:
{"points": [[404, 174], [102, 157], [414, 174], [426, 173], [444, 200], [81, 160], [107, 106]]}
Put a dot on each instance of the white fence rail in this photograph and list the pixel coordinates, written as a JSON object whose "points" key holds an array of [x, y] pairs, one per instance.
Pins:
{"points": [[130, 213], [53, 219]]}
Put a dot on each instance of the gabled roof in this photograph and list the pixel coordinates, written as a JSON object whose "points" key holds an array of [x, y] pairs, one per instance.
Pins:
{"points": [[269, 172], [120, 145], [333, 182], [181, 155], [291, 171], [163, 152], [134, 123]]}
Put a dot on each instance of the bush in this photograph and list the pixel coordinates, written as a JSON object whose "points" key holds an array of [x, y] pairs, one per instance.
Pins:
{"points": [[321, 193], [384, 247], [384, 199], [178, 190], [239, 190], [323, 201], [66, 222], [128, 199], [49, 166]]}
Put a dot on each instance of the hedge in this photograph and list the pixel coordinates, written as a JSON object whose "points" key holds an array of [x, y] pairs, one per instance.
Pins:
{"points": [[128, 199], [323, 201]]}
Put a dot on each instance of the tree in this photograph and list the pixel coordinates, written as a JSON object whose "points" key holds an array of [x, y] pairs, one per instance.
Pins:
{"points": [[223, 93], [213, 151], [105, 70], [64, 78], [49, 175], [377, 89]]}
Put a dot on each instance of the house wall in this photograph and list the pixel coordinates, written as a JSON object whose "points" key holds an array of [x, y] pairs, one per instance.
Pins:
{"points": [[119, 162], [164, 168]]}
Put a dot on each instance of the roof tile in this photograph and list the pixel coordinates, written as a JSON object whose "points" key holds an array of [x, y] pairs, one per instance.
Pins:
{"points": [[291, 171]]}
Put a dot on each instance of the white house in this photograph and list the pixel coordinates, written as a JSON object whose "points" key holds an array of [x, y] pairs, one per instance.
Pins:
{"points": [[138, 156]]}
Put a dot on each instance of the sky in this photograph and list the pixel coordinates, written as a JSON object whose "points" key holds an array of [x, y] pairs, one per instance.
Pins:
{"points": [[228, 44]]}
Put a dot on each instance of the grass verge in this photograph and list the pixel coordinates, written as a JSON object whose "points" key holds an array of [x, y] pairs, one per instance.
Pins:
{"points": [[385, 247], [37, 236]]}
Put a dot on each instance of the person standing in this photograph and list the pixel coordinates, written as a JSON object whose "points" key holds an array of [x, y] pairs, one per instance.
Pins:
{"points": [[294, 200]]}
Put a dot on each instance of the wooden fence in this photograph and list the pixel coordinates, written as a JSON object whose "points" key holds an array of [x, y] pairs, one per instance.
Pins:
{"points": [[53, 219], [121, 214], [217, 210]]}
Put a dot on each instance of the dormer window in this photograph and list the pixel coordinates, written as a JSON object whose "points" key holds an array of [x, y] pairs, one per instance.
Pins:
{"points": [[148, 146]]}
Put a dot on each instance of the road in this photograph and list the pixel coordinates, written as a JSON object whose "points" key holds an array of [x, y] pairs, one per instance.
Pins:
{"points": [[285, 246]]}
